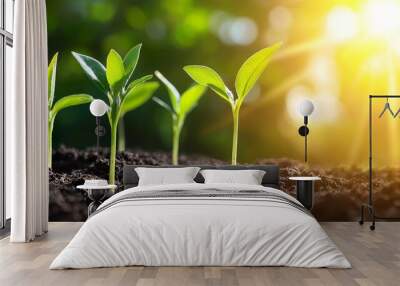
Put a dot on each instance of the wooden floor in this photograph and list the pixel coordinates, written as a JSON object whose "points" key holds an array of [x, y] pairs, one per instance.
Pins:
{"points": [[375, 257]]}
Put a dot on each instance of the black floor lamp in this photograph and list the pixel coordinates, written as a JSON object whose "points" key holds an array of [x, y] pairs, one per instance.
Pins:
{"points": [[370, 204], [306, 108]]}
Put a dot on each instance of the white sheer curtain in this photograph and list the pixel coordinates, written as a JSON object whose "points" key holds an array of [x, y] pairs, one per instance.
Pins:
{"points": [[26, 124]]}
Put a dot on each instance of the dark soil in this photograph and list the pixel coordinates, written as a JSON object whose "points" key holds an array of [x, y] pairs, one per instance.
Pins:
{"points": [[72, 166], [338, 196]]}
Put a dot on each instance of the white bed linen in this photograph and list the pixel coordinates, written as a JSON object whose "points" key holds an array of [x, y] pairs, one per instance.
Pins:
{"points": [[206, 231], [248, 177], [164, 176]]}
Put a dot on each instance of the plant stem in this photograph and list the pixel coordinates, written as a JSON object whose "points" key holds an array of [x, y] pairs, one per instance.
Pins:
{"points": [[121, 135], [113, 152], [176, 133], [235, 113], [50, 142]]}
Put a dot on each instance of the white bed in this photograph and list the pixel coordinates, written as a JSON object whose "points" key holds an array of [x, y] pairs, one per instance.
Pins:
{"points": [[184, 230]]}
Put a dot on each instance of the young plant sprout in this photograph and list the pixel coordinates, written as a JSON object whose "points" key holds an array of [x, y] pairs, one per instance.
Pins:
{"points": [[62, 103], [180, 106], [246, 78], [123, 93]]}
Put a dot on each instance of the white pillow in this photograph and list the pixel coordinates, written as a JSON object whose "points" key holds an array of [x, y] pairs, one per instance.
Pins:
{"points": [[248, 177], [165, 176]]}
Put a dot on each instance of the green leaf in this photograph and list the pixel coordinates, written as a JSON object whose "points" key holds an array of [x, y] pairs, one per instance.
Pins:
{"points": [[207, 76], [51, 76], [139, 81], [163, 104], [252, 69], [130, 61], [115, 69], [138, 96], [173, 93], [190, 98], [70, 100], [94, 69]]}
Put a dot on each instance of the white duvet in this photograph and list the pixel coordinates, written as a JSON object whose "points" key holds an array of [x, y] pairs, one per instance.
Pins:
{"points": [[200, 231]]}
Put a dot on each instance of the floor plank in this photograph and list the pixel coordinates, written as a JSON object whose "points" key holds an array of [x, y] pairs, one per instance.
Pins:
{"points": [[375, 257]]}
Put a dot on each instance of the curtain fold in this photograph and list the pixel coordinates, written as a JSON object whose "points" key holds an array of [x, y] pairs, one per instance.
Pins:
{"points": [[26, 124]]}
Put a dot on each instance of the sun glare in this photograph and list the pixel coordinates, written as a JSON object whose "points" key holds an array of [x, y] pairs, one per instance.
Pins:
{"points": [[377, 18], [341, 24], [382, 17]]}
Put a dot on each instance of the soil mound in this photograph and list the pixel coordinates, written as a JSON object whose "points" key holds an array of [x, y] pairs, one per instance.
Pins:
{"points": [[338, 196]]}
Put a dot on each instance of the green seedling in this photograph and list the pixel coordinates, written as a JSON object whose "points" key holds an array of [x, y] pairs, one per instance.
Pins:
{"points": [[62, 103], [115, 82], [180, 106], [246, 78]]}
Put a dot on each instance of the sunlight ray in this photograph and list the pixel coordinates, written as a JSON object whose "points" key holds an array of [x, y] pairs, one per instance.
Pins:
{"points": [[276, 92], [361, 130], [303, 47]]}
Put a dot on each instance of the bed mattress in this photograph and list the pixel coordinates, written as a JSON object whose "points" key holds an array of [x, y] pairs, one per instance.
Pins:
{"points": [[201, 225]]}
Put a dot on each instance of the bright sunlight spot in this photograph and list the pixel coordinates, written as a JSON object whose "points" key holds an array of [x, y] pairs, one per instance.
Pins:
{"points": [[341, 24], [383, 17]]}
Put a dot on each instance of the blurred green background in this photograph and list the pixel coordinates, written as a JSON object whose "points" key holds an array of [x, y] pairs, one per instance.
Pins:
{"points": [[317, 62], [174, 33]]}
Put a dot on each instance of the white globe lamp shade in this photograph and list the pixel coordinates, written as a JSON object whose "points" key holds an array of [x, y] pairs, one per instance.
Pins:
{"points": [[98, 108], [306, 107]]}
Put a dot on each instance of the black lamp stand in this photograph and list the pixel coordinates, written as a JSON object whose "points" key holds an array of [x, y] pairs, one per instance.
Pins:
{"points": [[304, 131]]}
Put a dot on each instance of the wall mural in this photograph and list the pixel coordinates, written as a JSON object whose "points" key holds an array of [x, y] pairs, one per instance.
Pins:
{"points": [[276, 54]]}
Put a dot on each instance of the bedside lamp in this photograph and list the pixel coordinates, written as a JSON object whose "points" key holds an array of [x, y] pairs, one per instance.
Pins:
{"points": [[98, 108], [306, 108]]}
